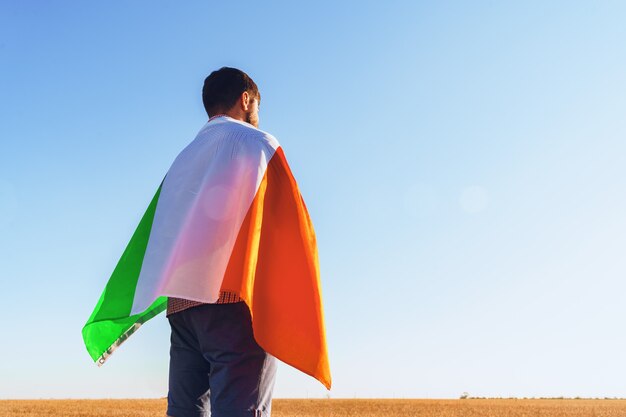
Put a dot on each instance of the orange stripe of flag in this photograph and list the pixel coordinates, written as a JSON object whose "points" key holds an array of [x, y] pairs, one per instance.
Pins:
{"points": [[274, 267]]}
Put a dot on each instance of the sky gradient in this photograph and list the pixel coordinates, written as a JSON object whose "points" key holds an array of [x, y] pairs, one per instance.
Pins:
{"points": [[463, 165]]}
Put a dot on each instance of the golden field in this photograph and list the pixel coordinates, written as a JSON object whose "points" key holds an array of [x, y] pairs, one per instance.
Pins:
{"points": [[336, 408]]}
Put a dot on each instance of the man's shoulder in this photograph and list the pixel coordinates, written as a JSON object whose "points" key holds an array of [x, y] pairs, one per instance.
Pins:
{"points": [[268, 139], [255, 133]]}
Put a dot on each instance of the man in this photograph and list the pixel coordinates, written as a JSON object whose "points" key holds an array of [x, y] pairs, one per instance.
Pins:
{"points": [[214, 360], [227, 247]]}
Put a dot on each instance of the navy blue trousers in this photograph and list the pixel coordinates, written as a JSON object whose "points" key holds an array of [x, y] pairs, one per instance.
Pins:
{"points": [[216, 367]]}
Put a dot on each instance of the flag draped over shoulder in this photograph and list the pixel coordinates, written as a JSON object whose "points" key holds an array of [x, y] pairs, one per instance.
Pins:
{"points": [[228, 216]]}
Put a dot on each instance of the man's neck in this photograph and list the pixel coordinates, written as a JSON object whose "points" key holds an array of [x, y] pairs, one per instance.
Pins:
{"points": [[236, 114]]}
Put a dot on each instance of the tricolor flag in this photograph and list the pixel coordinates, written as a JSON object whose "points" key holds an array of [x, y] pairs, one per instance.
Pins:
{"points": [[228, 216]]}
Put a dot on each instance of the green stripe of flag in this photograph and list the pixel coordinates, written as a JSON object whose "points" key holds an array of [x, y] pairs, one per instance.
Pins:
{"points": [[111, 323]]}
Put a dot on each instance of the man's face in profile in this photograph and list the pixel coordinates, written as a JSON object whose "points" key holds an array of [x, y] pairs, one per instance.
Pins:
{"points": [[252, 116]]}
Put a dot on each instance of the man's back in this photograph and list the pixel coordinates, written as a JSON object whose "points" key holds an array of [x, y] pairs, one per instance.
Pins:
{"points": [[207, 192], [225, 133]]}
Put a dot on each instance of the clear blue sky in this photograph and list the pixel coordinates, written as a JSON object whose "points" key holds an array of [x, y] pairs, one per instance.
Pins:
{"points": [[463, 165]]}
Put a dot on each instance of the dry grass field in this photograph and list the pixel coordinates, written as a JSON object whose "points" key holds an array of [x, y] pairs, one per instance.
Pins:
{"points": [[335, 408]]}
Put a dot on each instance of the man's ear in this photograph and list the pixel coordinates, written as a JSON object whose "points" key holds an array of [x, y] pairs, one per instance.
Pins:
{"points": [[245, 101]]}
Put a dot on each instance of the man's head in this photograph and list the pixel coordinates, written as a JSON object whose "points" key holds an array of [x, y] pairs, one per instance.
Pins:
{"points": [[231, 91]]}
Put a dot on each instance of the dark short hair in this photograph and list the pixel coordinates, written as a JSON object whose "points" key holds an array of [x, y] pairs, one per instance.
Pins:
{"points": [[222, 89]]}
